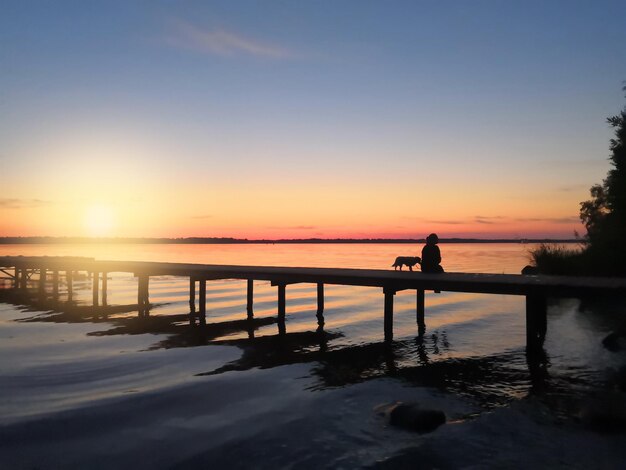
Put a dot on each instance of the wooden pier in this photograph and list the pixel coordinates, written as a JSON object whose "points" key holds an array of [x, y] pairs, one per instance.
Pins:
{"points": [[536, 289]]}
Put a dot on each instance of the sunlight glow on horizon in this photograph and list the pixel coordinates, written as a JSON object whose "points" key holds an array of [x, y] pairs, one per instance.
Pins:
{"points": [[99, 221], [214, 120]]}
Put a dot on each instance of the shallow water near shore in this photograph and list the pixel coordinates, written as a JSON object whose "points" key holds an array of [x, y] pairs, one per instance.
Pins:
{"points": [[105, 389]]}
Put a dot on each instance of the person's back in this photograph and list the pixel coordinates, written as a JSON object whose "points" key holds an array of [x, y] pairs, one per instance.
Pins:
{"points": [[431, 256]]}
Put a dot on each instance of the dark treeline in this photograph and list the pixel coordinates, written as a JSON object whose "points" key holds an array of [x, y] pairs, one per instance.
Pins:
{"points": [[228, 240]]}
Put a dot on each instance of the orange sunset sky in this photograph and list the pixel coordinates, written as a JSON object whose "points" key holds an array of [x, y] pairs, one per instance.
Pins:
{"points": [[304, 120]]}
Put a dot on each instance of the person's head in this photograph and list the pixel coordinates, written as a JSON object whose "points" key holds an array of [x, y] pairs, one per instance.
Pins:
{"points": [[432, 239]]}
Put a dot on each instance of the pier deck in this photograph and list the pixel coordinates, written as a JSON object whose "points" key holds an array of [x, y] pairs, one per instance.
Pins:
{"points": [[536, 289], [512, 284]]}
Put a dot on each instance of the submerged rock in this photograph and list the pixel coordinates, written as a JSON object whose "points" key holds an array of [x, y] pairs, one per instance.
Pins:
{"points": [[412, 417], [617, 379], [605, 413], [615, 342]]}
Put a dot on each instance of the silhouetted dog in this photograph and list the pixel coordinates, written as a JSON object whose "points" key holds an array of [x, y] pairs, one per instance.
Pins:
{"points": [[410, 261]]}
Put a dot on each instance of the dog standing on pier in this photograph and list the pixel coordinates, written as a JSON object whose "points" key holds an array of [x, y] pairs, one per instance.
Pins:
{"points": [[409, 261]]}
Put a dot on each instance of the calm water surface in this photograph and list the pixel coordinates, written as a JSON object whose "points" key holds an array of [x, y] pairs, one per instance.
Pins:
{"points": [[471, 360]]}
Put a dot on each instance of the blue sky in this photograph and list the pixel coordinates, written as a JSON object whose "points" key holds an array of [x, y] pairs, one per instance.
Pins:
{"points": [[492, 98]]}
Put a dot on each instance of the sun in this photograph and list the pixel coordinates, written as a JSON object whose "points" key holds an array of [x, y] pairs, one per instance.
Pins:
{"points": [[99, 220]]}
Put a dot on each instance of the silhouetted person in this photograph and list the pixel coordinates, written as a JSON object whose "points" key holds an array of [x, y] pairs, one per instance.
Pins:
{"points": [[431, 256]]}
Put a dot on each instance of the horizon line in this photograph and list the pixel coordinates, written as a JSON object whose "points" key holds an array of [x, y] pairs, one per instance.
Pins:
{"points": [[26, 240]]}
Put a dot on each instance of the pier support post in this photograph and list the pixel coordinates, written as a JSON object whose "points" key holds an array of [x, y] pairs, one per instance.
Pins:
{"points": [[104, 288], [95, 285], [69, 279], [143, 296], [24, 279], [16, 278], [250, 296], [192, 296], [419, 311], [389, 293], [202, 301], [55, 285], [281, 308], [42, 284], [536, 320], [320, 304]]}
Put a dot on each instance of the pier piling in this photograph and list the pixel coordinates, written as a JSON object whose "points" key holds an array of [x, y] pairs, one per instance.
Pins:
{"points": [[95, 285], [143, 297], [320, 304], [202, 301], [69, 279], [24, 279], [55, 285], [281, 308], [320, 298], [42, 283], [104, 288], [420, 310], [192, 296], [536, 320], [250, 295], [388, 320]]}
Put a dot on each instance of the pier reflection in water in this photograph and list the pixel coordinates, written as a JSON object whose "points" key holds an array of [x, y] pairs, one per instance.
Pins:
{"points": [[422, 360]]}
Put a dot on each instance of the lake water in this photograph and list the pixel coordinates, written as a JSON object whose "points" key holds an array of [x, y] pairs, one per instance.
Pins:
{"points": [[85, 389]]}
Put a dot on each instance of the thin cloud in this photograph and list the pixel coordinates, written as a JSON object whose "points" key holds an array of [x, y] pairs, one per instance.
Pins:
{"points": [[587, 163], [572, 187], [222, 43], [446, 222], [13, 203], [294, 227], [554, 220], [493, 220], [480, 219]]}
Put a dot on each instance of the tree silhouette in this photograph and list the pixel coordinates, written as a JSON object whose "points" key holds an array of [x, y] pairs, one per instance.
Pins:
{"points": [[604, 215]]}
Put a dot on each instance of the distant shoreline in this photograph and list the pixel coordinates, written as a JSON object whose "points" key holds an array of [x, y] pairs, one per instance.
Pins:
{"points": [[243, 241]]}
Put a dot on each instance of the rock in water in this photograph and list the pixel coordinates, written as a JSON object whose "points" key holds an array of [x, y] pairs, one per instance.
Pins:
{"points": [[411, 416], [605, 413], [615, 341]]}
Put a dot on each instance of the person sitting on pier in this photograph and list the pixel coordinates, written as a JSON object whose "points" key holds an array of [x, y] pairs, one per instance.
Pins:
{"points": [[431, 256]]}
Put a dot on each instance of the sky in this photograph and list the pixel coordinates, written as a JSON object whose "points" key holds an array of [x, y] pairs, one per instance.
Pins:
{"points": [[298, 119]]}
